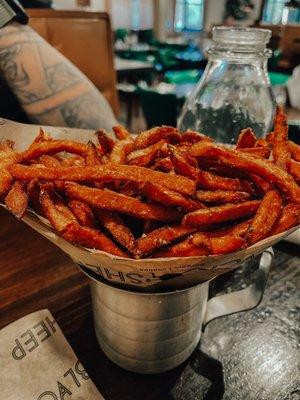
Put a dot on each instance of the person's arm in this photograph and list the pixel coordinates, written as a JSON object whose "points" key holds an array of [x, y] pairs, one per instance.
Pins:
{"points": [[50, 89]]}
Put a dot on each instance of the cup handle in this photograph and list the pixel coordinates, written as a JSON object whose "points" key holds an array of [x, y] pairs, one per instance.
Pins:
{"points": [[244, 299]]}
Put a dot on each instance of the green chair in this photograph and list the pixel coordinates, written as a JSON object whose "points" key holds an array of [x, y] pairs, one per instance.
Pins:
{"points": [[167, 60], [121, 33], [158, 108], [184, 76], [277, 78]]}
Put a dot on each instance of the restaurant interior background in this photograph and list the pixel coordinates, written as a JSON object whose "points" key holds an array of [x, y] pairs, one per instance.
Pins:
{"points": [[146, 57], [158, 49]]}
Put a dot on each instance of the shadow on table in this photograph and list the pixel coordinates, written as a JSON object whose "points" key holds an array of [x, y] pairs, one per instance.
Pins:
{"points": [[211, 369], [201, 377]]}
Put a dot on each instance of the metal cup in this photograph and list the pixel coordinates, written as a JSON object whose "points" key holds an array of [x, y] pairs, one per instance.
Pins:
{"points": [[155, 332]]}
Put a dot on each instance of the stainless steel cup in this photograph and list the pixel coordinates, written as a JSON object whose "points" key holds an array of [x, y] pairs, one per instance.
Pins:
{"points": [[155, 332]]}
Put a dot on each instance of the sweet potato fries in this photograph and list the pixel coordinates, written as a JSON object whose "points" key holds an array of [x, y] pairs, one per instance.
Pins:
{"points": [[161, 194]]}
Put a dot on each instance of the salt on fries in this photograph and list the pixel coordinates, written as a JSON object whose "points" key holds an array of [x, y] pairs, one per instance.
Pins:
{"points": [[162, 194]]}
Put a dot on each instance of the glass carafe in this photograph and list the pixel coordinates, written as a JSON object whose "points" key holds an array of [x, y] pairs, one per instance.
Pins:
{"points": [[234, 92]]}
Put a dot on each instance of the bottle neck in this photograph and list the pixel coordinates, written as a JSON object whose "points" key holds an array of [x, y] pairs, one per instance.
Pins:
{"points": [[232, 54]]}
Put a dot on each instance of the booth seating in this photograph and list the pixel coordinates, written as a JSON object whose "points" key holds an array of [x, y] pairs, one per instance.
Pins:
{"points": [[85, 38]]}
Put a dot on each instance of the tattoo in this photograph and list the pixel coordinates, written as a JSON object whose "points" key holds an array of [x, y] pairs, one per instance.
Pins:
{"points": [[82, 112], [16, 75], [51, 90], [60, 77]]}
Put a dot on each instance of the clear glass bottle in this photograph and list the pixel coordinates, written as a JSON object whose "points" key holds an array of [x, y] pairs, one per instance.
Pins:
{"points": [[234, 92]]}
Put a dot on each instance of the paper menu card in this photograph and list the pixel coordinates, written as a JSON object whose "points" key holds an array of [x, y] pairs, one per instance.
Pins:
{"points": [[37, 363]]}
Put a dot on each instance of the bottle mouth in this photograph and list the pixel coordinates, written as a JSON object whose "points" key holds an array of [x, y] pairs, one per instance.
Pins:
{"points": [[247, 39]]}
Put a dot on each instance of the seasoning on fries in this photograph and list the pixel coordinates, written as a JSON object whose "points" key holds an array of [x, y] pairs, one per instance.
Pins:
{"points": [[161, 194]]}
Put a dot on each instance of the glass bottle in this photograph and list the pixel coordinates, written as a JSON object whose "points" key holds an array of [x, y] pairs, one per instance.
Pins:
{"points": [[234, 92]]}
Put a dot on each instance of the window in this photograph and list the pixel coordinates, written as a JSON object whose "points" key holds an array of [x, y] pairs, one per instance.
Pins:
{"points": [[135, 14], [189, 15], [273, 11]]}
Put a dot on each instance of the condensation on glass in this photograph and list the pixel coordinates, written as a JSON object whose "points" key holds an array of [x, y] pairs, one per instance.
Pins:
{"points": [[234, 92]]}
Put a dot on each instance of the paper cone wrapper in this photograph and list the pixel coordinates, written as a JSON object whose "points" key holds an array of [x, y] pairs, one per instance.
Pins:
{"points": [[145, 274]]}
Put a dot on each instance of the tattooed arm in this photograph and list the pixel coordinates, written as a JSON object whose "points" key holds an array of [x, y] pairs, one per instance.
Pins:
{"points": [[50, 89]]}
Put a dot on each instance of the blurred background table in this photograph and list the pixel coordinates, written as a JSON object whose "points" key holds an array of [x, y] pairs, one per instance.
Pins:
{"points": [[125, 67], [251, 355]]}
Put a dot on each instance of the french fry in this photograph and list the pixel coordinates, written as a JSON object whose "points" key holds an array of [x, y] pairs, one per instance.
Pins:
{"points": [[222, 196], [33, 193], [294, 169], [145, 157], [160, 237], [228, 212], [92, 156], [239, 229], [281, 151], [219, 245], [53, 147], [58, 202], [7, 158], [92, 239], [223, 170], [41, 137], [73, 161], [263, 152], [290, 217], [106, 142], [262, 143], [270, 138], [295, 150], [191, 137], [280, 125], [16, 200], [205, 179], [58, 219], [73, 232], [154, 135], [246, 139], [163, 151], [188, 248], [50, 161], [83, 213], [104, 173], [267, 214], [191, 160], [112, 201], [121, 133], [163, 164], [116, 227], [170, 198], [130, 189], [120, 151], [261, 186], [265, 169], [181, 165]]}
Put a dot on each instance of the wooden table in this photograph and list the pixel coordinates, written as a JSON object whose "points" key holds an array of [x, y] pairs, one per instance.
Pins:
{"points": [[249, 355]]}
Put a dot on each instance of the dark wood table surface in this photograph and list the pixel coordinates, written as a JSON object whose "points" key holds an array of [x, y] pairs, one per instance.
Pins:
{"points": [[246, 356]]}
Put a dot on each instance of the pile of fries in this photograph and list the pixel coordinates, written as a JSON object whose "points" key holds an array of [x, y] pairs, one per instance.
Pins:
{"points": [[161, 194]]}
